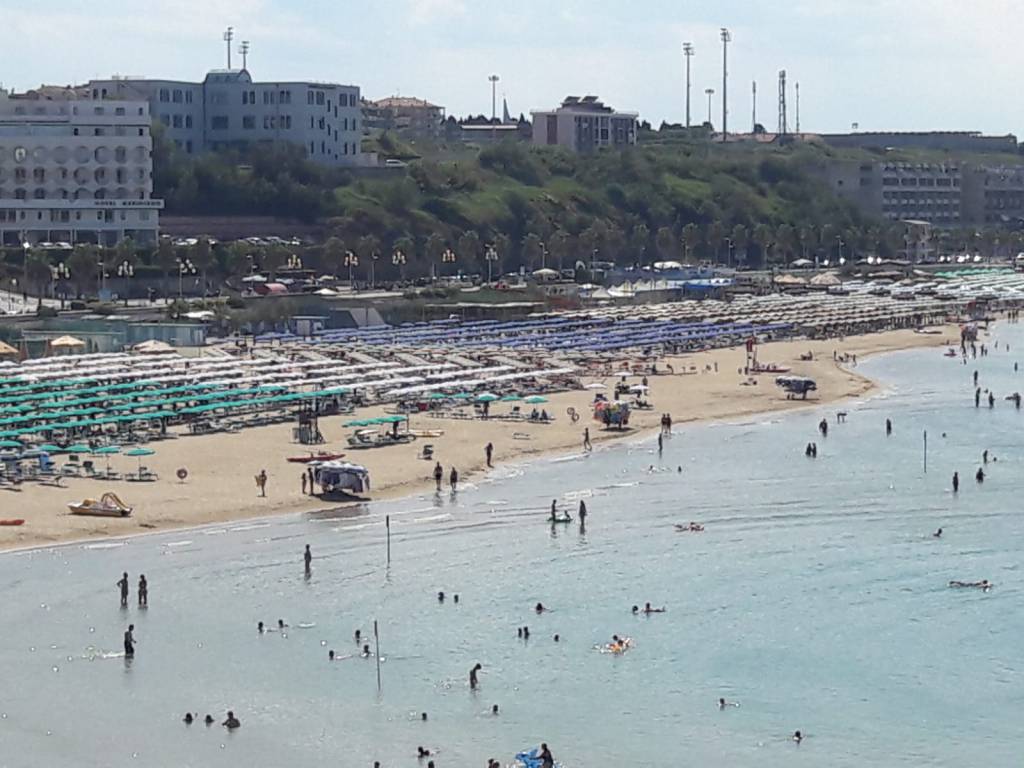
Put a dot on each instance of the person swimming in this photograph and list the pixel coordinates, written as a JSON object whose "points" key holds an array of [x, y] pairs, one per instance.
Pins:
{"points": [[208, 719], [494, 709], [937, 534], [539, 608], [422, 752], [423, 716], [797, 736], [456, 598], [557, 638], [358, 635], [526, 633], [440, 597], [366, 652], [260, 628], [281, 624], [984, 584], [231, 722], [636, 609], [188, 719], [129, 642], [330, 655], [649, 609]]}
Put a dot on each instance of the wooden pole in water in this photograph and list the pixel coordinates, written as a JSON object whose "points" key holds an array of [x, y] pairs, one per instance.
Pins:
{"points": [[387, 523], [376, 638], [926, 451]]}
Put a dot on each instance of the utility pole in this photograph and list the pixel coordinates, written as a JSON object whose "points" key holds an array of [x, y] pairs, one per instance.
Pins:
{"points": [[229, 35], [688, 53], [726, 39], [494, 104], [710, 92], [798, 109], [244, 50], [753, 122], [783, 122]]}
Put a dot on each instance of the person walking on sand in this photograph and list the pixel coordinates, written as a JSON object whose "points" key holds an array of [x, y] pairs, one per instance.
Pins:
{"points": [[143, 591], [438, 475], [311, 477], [453, 479], [586, 440], [303, 483], [261, 483], [123, 584], [489, 451]]}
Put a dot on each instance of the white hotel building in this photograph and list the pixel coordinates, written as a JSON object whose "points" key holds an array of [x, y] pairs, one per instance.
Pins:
{"points": [[75, 170]]}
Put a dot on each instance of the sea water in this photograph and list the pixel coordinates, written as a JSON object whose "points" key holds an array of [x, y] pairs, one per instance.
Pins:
{"points": [[816, 599]]}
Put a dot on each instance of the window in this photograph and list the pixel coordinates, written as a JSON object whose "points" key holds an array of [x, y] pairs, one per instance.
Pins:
{"points": [[309, 97], [344, 124], [177, 96], [142, 132], [39, 176], [320, 98], [286, 122], [165, 119], [346, 148], [176, 121], [39, 194], [95, 110], [121, 175], [329, 107], [323, 148], [188, 97], [164, 95], [120, 130], [343, 99], [268, 97], [248, 122], [20, 175], [285, 97], [310, 121], [312, 149], [119, 111], [188, 121], [188, 146], [219, 123]]}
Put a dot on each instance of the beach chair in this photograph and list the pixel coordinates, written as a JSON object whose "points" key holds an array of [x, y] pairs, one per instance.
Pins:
{"points": [[427, 452], [89, 469]]}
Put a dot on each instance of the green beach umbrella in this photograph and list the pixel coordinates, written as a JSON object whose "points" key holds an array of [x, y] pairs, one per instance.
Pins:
{"points": [[486, 397], [139, 453], [536, 400], [50, 448], [10, 444], [79, 448], [107, 450], [462, 396], [436, 396]]}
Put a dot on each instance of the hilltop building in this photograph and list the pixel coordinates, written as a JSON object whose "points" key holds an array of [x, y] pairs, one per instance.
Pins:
{"points": [[413, 116], [584, 125], [229, 109], [75, 170]]}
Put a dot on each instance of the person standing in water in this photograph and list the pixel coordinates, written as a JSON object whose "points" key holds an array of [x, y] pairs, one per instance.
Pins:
{"points": [[438, 475], [979, 476], [307, 558], [583, 513], [977, 397], [453, 479], [956, 482], [129, 642], [123, 584], [473, 682], [489, 451], [143, 591], [888, 427], [661, 444]]}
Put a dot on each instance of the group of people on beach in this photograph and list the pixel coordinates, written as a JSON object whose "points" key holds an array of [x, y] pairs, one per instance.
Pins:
{"points": [[453, 477]]}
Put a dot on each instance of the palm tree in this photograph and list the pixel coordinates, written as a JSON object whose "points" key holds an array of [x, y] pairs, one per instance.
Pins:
{"points": [[201, 256], [434, 248], [166, 260], [368, 249], [333, 255], [764, 237], [38, 273], [533, 249], [716, 231], [665, 243], [740, 238], [690, 239], [639, 239], [785, 237], [560, 246], [468, 248], [82, 266]]}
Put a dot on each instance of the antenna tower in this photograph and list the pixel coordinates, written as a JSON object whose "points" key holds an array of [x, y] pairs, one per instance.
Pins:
{"points": [[229, 35], [783, 125]]}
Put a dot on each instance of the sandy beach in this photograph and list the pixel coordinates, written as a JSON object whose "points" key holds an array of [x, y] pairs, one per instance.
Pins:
{"points": [[221, 467]]}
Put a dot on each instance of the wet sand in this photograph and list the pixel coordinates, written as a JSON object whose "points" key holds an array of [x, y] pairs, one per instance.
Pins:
{"points": [[222, 467]]}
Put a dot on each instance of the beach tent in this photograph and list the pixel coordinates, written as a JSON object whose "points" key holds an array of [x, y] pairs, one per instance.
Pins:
{"points": [[66, 342], [152, 347], [6, 350]]}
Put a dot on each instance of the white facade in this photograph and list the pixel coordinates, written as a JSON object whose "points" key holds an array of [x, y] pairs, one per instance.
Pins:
{"points": [[584, 125], [76, 170], [228, 109]]}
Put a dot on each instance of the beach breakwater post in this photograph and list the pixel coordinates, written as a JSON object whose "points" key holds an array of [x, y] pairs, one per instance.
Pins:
{"points": [[387, 524], [376, 639], [925, 453]]}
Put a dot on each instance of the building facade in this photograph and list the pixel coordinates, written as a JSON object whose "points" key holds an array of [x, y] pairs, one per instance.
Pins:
{"points": [[228, 109], [584, 125], [945, 141], [75, 170], [417, 117]]}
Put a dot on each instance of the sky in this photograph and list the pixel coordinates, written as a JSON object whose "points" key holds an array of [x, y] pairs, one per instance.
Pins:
{"points": [[883, 64]]}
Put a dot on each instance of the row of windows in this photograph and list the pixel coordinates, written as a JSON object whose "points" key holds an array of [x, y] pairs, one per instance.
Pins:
{"points": [[119, 130], [913, 181], [176, 121], [269, 97], [177, 96], [81, 175], [80, 155], [324, 150], [319, 98], [121, 193], [7, 214], [324, 126]]}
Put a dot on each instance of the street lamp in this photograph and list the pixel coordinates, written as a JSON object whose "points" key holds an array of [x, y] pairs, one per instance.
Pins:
{"points": [[448, 257], [351, 260], [60, 272], [490, 256], [839, 240], [543, 256], [398, 259], [730, 244], [125, 271], [185, 267]]}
